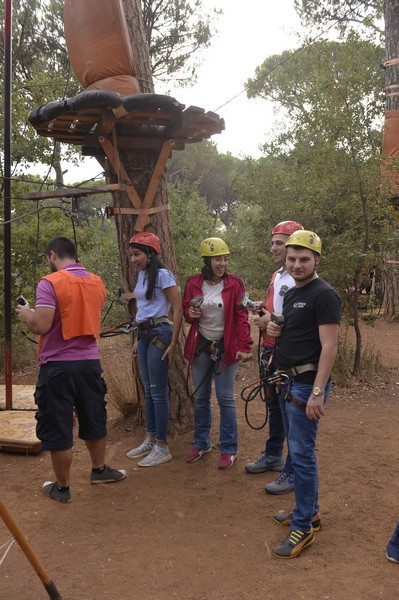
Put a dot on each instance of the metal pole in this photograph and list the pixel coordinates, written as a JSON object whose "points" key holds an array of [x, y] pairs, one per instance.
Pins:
{"points": [[7, 200]]}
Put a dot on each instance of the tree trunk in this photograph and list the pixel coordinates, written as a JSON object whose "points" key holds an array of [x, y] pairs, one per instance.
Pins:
{"points": [[358, 347], [139, 165], [391, 10], [59, 175]]}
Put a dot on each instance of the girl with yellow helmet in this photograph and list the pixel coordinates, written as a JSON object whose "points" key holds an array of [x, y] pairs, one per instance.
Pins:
{"points": [[218, 339]]}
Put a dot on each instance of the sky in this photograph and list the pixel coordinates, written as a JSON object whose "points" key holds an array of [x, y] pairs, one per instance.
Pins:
{"points": [[248, 32]]}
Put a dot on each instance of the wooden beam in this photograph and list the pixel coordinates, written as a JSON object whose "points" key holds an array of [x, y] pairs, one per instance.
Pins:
{"points": [[76, 192], [90, 144], [113, 158], [159, 169], [115, 210]]}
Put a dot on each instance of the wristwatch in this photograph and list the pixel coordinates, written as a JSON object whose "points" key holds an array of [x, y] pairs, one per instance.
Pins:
{"points": [[317, 391]]}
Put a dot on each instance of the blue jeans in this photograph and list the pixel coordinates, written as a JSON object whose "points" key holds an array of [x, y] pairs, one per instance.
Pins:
{"points": [[301, 437], [154, 374], [203, 369], [275, 442]]}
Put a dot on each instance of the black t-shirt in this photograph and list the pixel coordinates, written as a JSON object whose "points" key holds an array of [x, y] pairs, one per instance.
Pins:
{"points": [[304, 309]]}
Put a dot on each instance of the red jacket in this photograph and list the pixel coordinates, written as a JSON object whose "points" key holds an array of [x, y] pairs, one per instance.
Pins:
{"points": [[236, 334]]}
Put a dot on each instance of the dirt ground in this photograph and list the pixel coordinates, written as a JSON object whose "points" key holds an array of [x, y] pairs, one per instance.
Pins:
{"points": [[193, 532]]}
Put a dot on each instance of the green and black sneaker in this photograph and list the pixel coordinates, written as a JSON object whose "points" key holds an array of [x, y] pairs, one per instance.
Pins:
{"points": [[293, 545], [285, 518]]}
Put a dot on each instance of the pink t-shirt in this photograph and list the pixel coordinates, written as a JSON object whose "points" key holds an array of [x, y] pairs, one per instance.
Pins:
{"points": [[54, 346]]}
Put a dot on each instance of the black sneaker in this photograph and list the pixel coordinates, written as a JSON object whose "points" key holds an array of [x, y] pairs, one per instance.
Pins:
{"points": [[108, 475], [284, 518], [50, 489], [295, 542]]}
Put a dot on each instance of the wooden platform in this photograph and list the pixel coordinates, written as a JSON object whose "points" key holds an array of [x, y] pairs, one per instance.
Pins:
{"points": [[18, 426], [139, 121]]}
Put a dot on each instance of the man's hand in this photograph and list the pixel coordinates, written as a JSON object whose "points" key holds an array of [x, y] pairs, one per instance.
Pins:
{"points": [[38, 320], [273, 329], [315, 407], [262, 321], [23, 313]]}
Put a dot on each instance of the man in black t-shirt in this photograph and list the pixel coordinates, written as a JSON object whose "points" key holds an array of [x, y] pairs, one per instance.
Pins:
{"points": [[306, 353]]}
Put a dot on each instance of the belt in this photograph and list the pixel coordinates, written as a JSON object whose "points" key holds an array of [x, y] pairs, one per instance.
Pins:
{"points": [[297, 403], [153, 321], [295, 371]]}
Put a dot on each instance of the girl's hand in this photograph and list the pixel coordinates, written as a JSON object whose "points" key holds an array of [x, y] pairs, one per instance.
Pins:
{"points": [[194, 312], [169, 353], [134, 348], [244, 356]]}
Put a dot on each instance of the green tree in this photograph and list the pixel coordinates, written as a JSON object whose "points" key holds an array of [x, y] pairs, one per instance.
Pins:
{"points": [[176, 31], [330, 94], [212, 174], [348, 15], [191, 224], [40, 75]]}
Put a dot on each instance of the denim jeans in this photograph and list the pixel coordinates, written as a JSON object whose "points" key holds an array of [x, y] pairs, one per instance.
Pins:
{"points": [[154, 374], [301, 437], [203, 369]]}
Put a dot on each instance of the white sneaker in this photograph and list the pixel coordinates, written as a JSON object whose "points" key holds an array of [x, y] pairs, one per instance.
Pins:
{"points": [[145, 448], [157, 456]]}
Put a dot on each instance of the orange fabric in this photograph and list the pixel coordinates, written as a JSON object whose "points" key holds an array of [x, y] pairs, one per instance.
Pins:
{"points": [[390, 151], [80, 302], [126, 85], [98, 40]]}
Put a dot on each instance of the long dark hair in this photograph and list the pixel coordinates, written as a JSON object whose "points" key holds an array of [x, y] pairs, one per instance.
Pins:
{"points": [[153, 265], [206, 270]]}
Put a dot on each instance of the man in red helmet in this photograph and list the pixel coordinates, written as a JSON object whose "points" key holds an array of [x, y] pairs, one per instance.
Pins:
{"points": [[271, 458]]}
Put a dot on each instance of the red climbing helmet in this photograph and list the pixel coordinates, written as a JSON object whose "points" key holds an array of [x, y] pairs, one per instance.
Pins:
{"points": [[287, 227], [145, 238]]}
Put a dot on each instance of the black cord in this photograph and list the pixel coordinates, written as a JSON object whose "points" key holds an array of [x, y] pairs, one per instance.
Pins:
{"points": [[212, 364], [248, 394], [260, 387], [29, 338]]}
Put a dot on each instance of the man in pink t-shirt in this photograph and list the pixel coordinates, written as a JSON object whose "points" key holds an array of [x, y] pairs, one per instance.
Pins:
{"points": [[70, 377]]}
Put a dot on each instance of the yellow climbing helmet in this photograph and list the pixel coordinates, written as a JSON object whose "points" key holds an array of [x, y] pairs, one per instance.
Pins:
{"points": [[213, 247], [306, 239]]}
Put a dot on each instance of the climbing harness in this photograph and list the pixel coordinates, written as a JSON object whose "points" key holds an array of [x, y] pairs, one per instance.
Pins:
{"points": [[148, 324], [260, 386], [215, 348]]}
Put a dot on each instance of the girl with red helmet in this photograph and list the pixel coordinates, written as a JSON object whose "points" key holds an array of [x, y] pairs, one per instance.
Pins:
{"points": [[156, 293]]}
